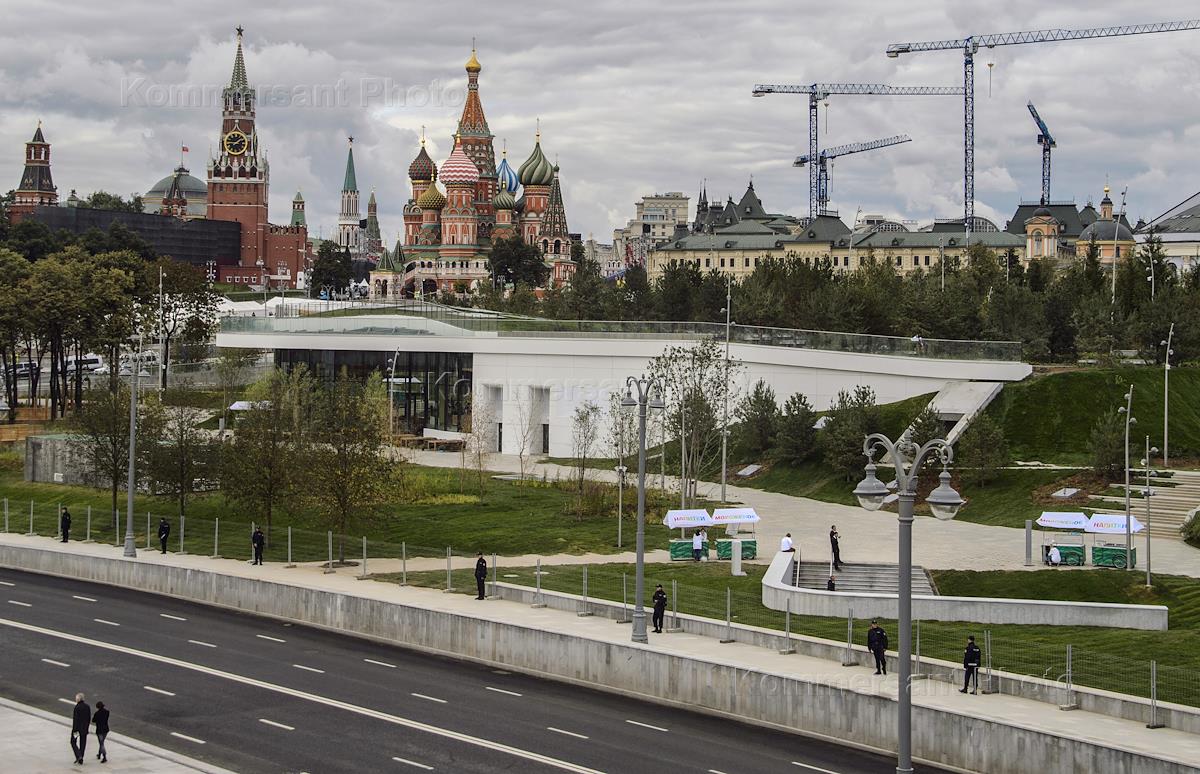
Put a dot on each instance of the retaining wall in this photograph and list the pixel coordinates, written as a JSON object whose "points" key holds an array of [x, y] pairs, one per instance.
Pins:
{"points": [[838, 712]]}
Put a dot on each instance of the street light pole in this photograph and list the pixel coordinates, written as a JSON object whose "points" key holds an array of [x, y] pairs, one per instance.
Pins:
{"points": [[725, 389], [944, 503], [643, 403], [130, 543], [1127, 410], [1147, 494], [1167, 391]]}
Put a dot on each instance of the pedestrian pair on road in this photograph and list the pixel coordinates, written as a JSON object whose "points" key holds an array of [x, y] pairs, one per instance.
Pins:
{"points": [[81, 721]]}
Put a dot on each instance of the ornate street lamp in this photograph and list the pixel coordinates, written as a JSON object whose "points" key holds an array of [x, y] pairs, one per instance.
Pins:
{"points": [[641, 387]]}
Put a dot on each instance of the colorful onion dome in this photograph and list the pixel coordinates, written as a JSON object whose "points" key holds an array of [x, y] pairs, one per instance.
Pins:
{"points": [[506, 178], [503, 200], [459, 169], [473, 65], [422, 168], [431, 198], [537, 169]]}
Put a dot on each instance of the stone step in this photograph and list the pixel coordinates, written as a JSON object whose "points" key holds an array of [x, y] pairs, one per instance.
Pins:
{"points": [[875, 578]]}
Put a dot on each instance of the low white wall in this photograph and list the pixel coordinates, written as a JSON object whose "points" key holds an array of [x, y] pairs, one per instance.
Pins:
{"points": [[776, 591], [815, 708]]}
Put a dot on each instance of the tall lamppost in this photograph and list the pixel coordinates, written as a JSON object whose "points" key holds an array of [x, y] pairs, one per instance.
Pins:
{"points": [[1167, 352], [725, 389], [944, 502], [643, 402], [1147, 493], [135, 372], [1130, 421]]}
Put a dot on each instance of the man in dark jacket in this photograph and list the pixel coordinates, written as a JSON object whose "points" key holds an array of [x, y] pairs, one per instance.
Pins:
{"points": [[972, 657], [877, 643], [835, 547], [480, 574], [100, 720], [64, 524], [259, 540], [81, 720], [660, 608], [164, 532]]}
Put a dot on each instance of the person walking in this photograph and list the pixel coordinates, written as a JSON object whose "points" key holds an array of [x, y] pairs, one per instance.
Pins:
{"points": [[258, 540], [697, 544], [80, 722], [100, 721], [785, 544], [660, 608], [877, 643], [972, 657], [64, 524], [480, 574], [835, 546], [164, 532]]}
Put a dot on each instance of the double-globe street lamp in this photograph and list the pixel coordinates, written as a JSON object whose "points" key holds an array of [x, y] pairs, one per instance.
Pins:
{"points": [[643, 401], [944, 502], [1130, 421]]}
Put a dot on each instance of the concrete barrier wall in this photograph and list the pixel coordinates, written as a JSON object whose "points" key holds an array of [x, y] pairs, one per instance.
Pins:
{"points": [[777, 590], [821, 709]]}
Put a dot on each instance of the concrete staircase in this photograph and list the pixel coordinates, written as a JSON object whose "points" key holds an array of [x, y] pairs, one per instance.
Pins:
{"points": [[1169, 505], [877, 578]]}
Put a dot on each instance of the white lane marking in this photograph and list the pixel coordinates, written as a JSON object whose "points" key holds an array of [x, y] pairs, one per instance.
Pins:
{"points": [[188, 738], [6, 583], [813, 768], [272, 639], [646, 725], [309, 669], [429, 698], [501, 690], [152, 689], [85, 599], [397, 720], [172, 617], [56, 663], [412, 763], [20, 604], [379, 663], [106, 623], [205, 644], [565, 733], [284, 726]]}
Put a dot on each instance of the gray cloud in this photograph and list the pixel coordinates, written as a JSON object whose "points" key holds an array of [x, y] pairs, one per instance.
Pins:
{"points": [[633, 98]]}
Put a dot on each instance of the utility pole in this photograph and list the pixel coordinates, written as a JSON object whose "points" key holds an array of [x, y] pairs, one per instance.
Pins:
{"points": [[725, 390], [1167, 390]]}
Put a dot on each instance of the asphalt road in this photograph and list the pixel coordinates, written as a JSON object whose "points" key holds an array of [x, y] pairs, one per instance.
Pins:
{"points": [[258, 695]]}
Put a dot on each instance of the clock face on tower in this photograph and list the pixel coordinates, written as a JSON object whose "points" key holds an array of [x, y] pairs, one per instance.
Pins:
{"points": [[235, 143]]}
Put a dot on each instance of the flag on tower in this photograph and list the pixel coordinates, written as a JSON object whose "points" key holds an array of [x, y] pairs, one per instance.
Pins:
{"points": [[184, 148]]}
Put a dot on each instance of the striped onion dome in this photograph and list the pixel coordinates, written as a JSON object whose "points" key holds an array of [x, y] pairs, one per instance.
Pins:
{"points": [[459, 169], [503, 200], [422, 168], [536, 170], [431, 198], [506, 178]]}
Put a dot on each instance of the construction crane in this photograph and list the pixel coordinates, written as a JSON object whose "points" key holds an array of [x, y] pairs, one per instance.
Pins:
{"points": [[841, 150], [819, 91], [1047, 142], [971, 45]]}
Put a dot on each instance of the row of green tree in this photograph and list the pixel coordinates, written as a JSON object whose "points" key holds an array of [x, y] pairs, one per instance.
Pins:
{"points": [[1057, 313]]}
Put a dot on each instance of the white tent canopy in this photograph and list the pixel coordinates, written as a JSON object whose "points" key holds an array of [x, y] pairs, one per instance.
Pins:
{"points": [[734, 516], [688, 519], [1063, 520], [1113, 524]]}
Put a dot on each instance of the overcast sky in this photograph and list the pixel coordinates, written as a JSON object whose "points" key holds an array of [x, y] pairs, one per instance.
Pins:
{"points": [[633, 97]]}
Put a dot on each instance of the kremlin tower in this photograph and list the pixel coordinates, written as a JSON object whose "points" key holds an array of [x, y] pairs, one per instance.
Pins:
{"points": [[37, 187], [349, 229]]}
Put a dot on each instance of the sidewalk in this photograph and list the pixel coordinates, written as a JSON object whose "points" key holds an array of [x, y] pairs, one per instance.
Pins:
{"points": [[35, 742], [865, 536], [1101, 730]]}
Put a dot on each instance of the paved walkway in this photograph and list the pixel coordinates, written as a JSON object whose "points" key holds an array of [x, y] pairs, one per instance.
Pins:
{"points": [[865, 536], [35, 742], [1101, 729]]}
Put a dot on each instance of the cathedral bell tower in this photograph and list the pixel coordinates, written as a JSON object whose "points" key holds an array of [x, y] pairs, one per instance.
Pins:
{"points": [[238, 176]]}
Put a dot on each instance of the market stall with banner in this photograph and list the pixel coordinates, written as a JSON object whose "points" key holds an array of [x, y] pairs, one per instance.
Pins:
{"points": [[1070, 544], [739, 528], [683, 520], [1105, 551]]}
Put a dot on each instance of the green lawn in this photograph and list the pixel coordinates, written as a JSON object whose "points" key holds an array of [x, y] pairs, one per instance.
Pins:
{"points": [[1113, 659], [509, 518]]}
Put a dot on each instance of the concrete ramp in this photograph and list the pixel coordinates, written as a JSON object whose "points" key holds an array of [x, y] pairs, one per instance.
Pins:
{"points": [[958, 403]]}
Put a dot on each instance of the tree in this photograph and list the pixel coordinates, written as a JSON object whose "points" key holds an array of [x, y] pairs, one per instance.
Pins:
{"points": [[514, 260], [480, 442], [982, 450], [758, 420], [524, 429], [262, 468], [351, 475], [926, 426], [232, 364], [796, 441], [851, 418], [14, 320], [185, 457], [186, 305], [99, 433], [332, 268], [103, 200], [1106, 445], [585, 431]]}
